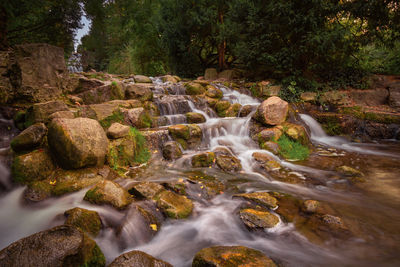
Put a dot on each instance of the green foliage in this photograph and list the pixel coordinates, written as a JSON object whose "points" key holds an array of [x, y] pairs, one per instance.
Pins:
{"points": [[380, 58], [117, 116], [291, 149], [142, 153], [42, 21]]}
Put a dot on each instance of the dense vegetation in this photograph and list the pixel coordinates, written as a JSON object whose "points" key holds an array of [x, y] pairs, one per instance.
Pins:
{"points": [[310, 42]]}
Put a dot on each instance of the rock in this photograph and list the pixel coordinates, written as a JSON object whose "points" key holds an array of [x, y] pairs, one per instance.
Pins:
{"points": [[155, 139], [193, 117], [211, 74], [103, 93], [271, 146], [109, 111], [123, 152], [30, 138], [147, 190], [65, 181], [108, 192], [335, 98], [270, 134], [78, 143], [245, 111], [296, 132], [140, 92], [272, 111], [310, 206], [349, 171], [193, 88], [75, 99], [60, 246], [34, 166], [142, 79], [266, 89], [171, 151], [228, 75], [188, 136], [260, 198], [258, 219], [221, 107], [137, 258], [214, 92], [35, 73], [333, 222], [117, 130], [86, 220], [62, 114], [308, 97], [86, 84], [224, 256], [174, 205], [205, 159], [41, 112], [169, 78], [233, 110], [138, 117], [228, 163], [394, 95]]}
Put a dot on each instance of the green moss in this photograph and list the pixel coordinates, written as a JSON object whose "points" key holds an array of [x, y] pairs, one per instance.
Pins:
{"points": [[117, 116], [142, 153], [221, 107], [292, 150], [93, 256]]}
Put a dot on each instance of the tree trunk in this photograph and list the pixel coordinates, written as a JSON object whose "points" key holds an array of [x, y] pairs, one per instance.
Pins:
{"points": [[221, 46]]}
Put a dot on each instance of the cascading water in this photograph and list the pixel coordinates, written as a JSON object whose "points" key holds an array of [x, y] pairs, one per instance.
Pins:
{"points": [[215, 222]]}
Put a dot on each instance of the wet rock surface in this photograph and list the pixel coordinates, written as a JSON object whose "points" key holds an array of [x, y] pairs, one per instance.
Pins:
{"points": [[108, 192], [138, 258]]}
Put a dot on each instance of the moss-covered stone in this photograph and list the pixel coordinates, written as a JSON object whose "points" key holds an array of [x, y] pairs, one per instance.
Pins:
{"points": [[138, 258], [40, 112], [270, 134], [260, 198], [171, 150], [295, 132], [108, 192], [147, 190], [189, 136], [34, 166], [205, 159], [30, 138], [224, 256], [233, 110], [193, 117], [258, 218], [87, 220], [179, 131], [228, 163], [221, 107], [349, 171], [193, 88], [174, 205], [214, 92], [267, 162]]}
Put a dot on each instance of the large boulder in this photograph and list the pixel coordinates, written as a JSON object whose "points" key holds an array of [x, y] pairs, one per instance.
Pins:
{"points": [[211, 74], [86, 220], [103, 93], [169, 78], [35, 73], [225, 256], [30, 138], [137, 258], [194, 88], [78, 143], [41, 112], [221, 107], [137, 91], [272, 111], [60, 246], [109, 192], [34, 166]]}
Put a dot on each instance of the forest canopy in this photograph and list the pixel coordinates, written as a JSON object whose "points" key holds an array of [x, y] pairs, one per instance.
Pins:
{"points": [[307, 41]]}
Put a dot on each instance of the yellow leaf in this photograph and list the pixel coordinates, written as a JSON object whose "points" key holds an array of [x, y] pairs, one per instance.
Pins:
{"points": [[154, 227], [53, 182]]}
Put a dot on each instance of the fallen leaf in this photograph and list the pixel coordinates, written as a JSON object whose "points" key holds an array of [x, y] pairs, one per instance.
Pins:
{"points": [[153, 227]]}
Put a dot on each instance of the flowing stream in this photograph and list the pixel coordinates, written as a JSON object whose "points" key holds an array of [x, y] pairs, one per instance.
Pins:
{"points": [[372, 208]]}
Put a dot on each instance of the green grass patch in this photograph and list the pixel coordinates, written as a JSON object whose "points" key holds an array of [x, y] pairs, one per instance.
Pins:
{"points": [[117, 116], [292, 150], [142, 153]]}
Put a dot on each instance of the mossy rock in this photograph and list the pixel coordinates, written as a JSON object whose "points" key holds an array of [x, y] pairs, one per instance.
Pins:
{"points": [[193, 117], [30, 138], [260, 198], [295, 132], [171, 150], [205, 159], [226, 256], [173, 205], [87, 220], [349, 171], [221, 107], [267, 162], [253, 218], [148, 190], [270, 134], [228, 163], [34, 166], [138, 258], [108, 192], [189, 136], [233, 110], [193, 88], [179, 131], [214, 92]]}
